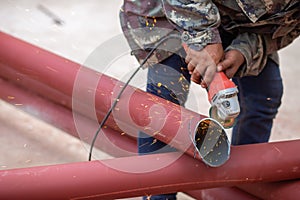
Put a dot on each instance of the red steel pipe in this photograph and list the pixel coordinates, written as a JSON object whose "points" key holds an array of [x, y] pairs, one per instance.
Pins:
{"points": [[91, 94], [31, 77], [111, 179], [224, 193], [112, 142], [62, 118], [287, 190]]}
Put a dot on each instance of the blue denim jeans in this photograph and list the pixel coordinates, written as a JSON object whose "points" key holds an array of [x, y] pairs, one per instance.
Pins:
{"points": [[170, 80], [259, 97]]}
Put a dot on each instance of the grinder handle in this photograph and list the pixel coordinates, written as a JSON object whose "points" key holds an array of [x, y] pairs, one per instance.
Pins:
{"points": [[219, 82]]}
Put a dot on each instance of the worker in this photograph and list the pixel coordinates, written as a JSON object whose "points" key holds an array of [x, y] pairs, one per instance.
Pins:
{"points": [[239, 37]]}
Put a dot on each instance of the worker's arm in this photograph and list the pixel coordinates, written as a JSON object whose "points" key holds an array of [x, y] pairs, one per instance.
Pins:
{"points": [[198, 22], [250, 47], [248, 53]]}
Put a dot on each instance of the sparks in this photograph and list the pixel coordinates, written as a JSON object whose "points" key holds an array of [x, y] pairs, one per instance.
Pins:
{"points": [[10, 97]]}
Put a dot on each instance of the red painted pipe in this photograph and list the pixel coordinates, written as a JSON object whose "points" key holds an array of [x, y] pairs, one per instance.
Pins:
{"points": [[62, 118], [224, 193], [53, 113], [112, 142], [287, 190], [111, 179], [36, 78], [91, 93]]}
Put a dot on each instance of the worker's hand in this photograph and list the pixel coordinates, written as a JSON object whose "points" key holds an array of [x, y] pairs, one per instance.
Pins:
{"points": [[232, 61], [202, 65]]}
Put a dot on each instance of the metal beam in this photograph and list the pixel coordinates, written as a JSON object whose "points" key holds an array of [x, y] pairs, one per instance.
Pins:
{"points": [[287, 190], [116, 178], [91, 94], [62, 117], [224, 193], [112, 142], [110, 179], [45, 74]]}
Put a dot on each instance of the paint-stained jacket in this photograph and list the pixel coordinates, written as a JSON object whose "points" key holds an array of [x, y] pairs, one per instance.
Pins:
{"points": [[257, 28]]}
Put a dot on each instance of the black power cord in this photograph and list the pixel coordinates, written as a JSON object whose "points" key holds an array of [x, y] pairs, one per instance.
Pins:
{"points": [[123, 89]]}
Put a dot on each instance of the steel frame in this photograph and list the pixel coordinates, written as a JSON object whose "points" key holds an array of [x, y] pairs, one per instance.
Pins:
{"points": [[46, 86]]}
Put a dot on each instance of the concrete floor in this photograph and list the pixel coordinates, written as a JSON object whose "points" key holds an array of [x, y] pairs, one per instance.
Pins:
{"points": [[86, 26]]}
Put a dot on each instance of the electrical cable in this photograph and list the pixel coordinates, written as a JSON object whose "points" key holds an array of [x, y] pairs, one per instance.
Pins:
{"points": [[123, 89]]}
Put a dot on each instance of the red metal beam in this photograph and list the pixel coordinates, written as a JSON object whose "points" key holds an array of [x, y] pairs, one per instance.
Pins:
{"points": [[287, 190], [224, 193], [91, 93], [62, 118], [32, 70], [115, 178], [112, 142]]}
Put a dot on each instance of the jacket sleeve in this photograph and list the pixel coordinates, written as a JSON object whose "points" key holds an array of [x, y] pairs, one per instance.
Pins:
{"points": [[252, 47], [257, 48], [197, 20]]}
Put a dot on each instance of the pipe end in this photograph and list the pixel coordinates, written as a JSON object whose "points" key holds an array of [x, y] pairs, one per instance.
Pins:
{"points": [[211, 142]]}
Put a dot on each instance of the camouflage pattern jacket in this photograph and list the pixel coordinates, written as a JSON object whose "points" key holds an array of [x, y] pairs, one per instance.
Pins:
{"points": [[257, 28]]}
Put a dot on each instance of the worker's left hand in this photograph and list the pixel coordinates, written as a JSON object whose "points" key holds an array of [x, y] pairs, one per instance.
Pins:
{"points": [[232, 61]]}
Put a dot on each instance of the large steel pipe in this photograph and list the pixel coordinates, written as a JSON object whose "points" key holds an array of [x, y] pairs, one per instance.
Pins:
{"points": [[287, 190], [62, 118], [224, 193], [112, 141], [91, 94], [111, 179]]}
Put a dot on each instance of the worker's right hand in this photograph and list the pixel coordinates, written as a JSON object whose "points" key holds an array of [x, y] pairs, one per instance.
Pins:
{"points": [[202, 65]]}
